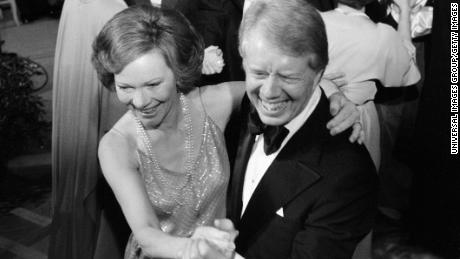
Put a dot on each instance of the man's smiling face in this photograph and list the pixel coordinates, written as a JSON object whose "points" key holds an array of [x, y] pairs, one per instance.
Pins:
{"points": [[278, 85]]}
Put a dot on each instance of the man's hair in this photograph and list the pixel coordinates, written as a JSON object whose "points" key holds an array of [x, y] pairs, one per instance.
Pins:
{"points": [[141, 29], [356, 4], [294, 26]]}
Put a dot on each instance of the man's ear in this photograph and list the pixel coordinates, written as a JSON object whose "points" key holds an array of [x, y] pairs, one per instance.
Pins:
{"points": [[318, 77], [241, 48], [243, 65]]}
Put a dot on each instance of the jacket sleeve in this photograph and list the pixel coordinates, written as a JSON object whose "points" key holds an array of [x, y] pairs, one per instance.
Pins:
{"points": [[343, 214]]}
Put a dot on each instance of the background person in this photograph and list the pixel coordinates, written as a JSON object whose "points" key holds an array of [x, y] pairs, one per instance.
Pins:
{"points": [[366, 52], [82, 112]]}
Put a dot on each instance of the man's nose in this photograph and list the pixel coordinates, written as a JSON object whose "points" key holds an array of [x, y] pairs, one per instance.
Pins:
{"points": [[139, 99], [270, 88]]}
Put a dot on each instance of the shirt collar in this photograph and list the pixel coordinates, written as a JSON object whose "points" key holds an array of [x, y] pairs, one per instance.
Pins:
{"points": [[295, 124]]}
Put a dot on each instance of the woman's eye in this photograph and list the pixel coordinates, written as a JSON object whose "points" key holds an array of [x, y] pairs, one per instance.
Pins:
{"points": [[125, 88]]}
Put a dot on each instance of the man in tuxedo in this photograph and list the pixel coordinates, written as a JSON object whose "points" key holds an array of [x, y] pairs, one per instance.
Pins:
{"points": [[296, 191]]}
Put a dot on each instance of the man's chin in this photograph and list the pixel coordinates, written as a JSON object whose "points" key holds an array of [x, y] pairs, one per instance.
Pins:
{"points": [[274, 121]]}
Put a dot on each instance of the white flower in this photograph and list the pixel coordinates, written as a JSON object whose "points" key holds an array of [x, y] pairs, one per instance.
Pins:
{"points": [[213, 61]]}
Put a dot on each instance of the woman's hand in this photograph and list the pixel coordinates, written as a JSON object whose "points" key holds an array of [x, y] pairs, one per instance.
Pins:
{"points": [[211, 242], [202, 249], [213, 61], [223, 240]]}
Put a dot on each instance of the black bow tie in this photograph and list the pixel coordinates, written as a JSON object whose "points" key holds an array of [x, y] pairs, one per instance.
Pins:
{"points": [[273, 135]]}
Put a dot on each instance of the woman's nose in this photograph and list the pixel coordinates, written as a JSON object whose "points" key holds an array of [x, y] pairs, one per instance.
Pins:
{"points": [[139, 99], [270, 87]]}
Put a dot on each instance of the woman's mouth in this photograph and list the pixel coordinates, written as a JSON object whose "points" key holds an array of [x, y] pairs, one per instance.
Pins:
{"points": [[148, 111]]}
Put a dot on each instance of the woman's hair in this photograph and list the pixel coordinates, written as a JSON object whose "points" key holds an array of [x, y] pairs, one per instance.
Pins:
{"points": [[294, 26], [356, 4], [140, 29]]}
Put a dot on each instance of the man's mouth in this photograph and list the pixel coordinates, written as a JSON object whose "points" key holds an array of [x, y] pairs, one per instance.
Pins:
{"points": [[273, 106]]}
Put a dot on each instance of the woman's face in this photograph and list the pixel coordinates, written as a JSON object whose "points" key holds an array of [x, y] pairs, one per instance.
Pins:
{"points": [[148, 86]]}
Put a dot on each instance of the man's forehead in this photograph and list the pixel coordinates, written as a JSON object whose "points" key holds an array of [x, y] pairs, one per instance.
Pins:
{"points": [[259, 34], [262, 48]]}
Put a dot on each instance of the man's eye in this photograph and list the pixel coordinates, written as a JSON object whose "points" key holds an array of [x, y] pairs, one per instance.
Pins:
{"points": [[153, 84], [260, 74], [291, 80]]}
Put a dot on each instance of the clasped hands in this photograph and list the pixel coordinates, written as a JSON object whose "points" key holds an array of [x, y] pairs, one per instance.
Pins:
{"points": [[211, 242]]}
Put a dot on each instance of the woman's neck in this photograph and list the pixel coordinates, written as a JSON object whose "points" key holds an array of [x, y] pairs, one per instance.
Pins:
{"points": [[174, 116]]}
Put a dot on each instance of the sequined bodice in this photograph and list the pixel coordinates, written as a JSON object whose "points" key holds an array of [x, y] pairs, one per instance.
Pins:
{"points": [[181, 201]]}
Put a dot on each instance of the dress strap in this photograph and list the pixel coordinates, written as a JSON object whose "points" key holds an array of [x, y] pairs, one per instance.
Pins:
{"points": [[203, 107]]}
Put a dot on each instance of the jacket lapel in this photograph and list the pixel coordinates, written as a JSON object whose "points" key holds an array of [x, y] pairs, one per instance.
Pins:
{"points": [[169, 4], [282, 183], [293, 171], [239, 4], [245, 144]]}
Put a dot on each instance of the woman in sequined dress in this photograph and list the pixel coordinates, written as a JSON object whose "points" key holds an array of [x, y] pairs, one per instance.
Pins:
{"points": [[165, 159]]}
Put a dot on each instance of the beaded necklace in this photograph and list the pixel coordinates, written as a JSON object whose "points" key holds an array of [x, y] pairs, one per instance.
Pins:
{"points": [[188, 138]]}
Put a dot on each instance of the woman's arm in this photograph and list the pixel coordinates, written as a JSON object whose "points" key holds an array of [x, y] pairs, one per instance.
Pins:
{"points": [[119, 166], [404, 25], [221, 100]]}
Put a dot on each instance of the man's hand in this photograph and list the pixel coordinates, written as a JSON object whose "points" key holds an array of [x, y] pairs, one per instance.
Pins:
{"points": [[346, 114], [222, 239], [203, 249], [227, 226]]}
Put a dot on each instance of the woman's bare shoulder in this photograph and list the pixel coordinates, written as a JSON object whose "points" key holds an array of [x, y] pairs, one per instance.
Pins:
{"points": [[119, 144], [220, 100]]}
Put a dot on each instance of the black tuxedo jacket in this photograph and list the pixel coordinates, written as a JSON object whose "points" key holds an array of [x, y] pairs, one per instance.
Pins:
{"points": [[325, 185]]}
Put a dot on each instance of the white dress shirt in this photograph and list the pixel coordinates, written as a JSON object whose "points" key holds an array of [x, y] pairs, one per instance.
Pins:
{"points": [[156, 2], [259, 162]]}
